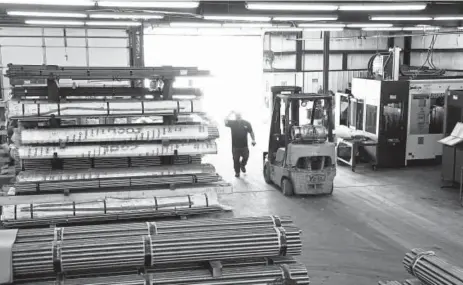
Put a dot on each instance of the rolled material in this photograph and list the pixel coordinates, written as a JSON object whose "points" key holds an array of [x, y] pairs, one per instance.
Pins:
{"points": [[262, 274], [119, 133], [103, 210], [30, 182], [116, 150], [432, 270], [25, 109], [135, 251]]}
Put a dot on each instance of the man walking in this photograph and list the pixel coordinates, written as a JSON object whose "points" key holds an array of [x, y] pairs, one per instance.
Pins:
{"points": [[239, 132]]}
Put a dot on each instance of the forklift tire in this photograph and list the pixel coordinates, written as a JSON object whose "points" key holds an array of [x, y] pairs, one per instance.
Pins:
{"points": [[287, 187], [267, 178], [332, 189]]}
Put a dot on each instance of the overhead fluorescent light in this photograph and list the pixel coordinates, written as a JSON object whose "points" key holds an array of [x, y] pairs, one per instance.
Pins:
{"points": [[390, 29], [194, 25], [124, 16], [306, 25], [46, 14], [306, 18], [460, 28], [247, 25], [54, 23], [51, 2], [275, 29], [112, 23], [448, 18], [290, 6], [237, 18], [383, 7], [153, 4], [421, 28], [368, 25], [400, 18], [323, 29]]}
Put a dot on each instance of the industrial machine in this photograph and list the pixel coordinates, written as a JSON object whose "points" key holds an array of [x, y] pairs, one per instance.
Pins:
{"points": [[301, 152]]}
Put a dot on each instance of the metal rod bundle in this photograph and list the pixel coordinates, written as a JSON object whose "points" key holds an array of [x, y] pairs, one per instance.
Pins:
{"points": [[24, 109], [118, 133], [432, 270], [133, 250], [406, 282], [111, 73], [258, 274], [103, 210], [118, 150], [30, 182]]}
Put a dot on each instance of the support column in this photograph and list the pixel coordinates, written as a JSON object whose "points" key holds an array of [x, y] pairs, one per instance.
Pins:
{"points": [[326, 61], [299, 56], [407, 50], [136, 53]]}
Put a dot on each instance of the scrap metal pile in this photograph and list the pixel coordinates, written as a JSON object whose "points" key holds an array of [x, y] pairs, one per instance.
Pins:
{"points": [[428, 269], [204, 251]]}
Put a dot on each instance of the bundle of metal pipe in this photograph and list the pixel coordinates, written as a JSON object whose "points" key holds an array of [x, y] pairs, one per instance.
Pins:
{"points": [[110, 73], [30, 182], [98, 163], [34, 109], [118, 150], [158, 228], [104, 210], [406, 282], [431, 269], [258, 274], [133, 250], [119, 133]]}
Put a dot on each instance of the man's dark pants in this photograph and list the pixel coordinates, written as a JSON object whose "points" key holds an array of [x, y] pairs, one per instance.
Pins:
{"points": [[237, 154]]}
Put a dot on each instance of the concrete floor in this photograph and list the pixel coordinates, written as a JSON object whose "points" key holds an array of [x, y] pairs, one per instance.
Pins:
{"points": [[359, 235]]}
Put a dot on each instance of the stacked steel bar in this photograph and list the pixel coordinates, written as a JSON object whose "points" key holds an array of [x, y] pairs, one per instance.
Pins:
{"points": [[196, 241], [104, 210], [432, 270], [28, 182], [263, 274], [109, 73], [406, 282]]}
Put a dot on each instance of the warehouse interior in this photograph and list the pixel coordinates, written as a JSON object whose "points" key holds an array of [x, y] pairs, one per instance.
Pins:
{"points": [[126, 126]]}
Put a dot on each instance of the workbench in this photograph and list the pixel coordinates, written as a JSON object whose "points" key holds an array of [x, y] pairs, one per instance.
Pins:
{"points": [[355, 145]]}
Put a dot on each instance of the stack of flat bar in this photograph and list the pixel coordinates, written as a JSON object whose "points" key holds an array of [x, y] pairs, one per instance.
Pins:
{"points": [[103, 210], [134, 251], [30, 182], [119, 133], [406, 282], [236, 275], [33, 109], [432, 270], [98, 92], [108, 73]]}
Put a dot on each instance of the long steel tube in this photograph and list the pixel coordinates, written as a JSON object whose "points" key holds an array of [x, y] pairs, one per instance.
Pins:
{"points": [[431, 269]]}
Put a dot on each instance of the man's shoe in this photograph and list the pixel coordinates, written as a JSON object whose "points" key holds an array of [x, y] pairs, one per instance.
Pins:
{"points": [[237, 175], [243, 168]]}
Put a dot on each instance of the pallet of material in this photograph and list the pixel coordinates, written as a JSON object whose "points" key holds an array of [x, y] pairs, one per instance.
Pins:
{"points": [[107, 210], [118, 150], [119, 133], [24, 109]]}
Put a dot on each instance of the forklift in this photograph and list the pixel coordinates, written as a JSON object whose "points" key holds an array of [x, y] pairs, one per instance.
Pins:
{"points": [[301, 157]]}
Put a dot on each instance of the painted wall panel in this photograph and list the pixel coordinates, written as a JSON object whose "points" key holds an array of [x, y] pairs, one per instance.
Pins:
{"points": [[315, 61], [285, 62], [358, 61], [108, 57], [282, 43], [67, 57]]}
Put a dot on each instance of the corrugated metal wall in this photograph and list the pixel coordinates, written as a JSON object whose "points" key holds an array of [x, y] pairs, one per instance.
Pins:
{"points": [[65, 47], [444, 60]]}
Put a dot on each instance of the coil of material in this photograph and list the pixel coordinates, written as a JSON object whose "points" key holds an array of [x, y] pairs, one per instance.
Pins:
{"points": [[150, 228], [109, 209], [137, 251], [431, 269], [270, 274]]}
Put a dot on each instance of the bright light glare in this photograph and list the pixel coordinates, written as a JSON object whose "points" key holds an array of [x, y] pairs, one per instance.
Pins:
{"points": [[383, 29], [398, 18], [125, 16], [448, 18], [194, 25], [307, 18], [290, 7], [366, 25], [305, 25], [51, 2], [323, 29], [55, 23], [247, 25], [113, 23], [237, 18], [154, 4], [395, 7], [46, 14]]}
